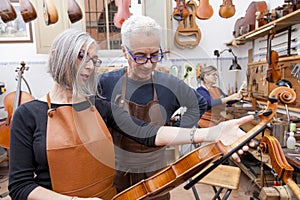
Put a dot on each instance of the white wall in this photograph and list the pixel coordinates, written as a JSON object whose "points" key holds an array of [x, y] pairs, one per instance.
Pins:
{"points": [[215, 33]]}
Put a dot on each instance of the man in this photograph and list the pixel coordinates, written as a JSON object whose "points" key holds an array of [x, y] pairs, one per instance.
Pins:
{"points": [[147, 94]]}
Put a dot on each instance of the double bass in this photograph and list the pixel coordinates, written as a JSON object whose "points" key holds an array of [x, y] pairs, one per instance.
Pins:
{"points": [[191, 164], [11, 102], [227, 9]]}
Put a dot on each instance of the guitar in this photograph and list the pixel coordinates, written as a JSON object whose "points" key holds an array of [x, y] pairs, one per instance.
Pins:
{"points": [[204, 10], [190, 164], [50, 12], [74, 11], [123, 12], [7, 11], [227, 9], [27, 11]]}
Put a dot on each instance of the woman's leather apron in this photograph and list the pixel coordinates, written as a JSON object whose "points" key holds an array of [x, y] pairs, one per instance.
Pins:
{"points": [[80, 152], [139, 161], [212, 117]]}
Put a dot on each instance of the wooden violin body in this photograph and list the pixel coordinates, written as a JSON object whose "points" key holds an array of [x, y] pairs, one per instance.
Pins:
{"points": [[123, 12], [11, 101], [50, 12], [192, 163], [27, 11], [7, 11], [204, 10], [74, 11], [180, 12], [227, 9]]}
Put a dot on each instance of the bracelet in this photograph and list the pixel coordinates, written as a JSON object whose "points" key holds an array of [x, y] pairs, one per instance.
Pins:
{"points": [[192, 135]]}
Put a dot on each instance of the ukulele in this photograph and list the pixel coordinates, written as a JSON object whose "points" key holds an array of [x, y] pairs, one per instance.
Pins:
{"points": [[204, 10], [123, 12], [227, 9], [50, 12], [27, 11], [74, 11], [7, 11], [191, 164], [180, 12]]}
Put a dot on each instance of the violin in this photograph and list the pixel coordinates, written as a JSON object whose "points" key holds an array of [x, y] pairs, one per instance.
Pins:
{"points": [[227, 9], [7, 11], [180, 12], [74, 11], [50, 12], [204, 10], [273, 72], [191, 164], [27, 11], [279, 163], [11, 102], [123, 12]]}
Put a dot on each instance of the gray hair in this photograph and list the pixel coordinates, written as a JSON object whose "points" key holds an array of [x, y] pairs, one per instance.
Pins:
{"points": [[207, 70], [63, 58], [139, 26]]}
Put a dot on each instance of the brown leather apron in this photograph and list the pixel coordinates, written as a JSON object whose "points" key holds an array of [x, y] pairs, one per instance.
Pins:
{"points": [[80, 152], [212, 117], [139, 161]]}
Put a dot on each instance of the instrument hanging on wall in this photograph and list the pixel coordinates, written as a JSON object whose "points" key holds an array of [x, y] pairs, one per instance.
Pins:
{"points": [[50, 12], [180, 12], [204, 10], [27, 11], [188, 28], [273, 72], [11, 102], [227, 9], [123, 12], [191, 164], [7, 11], [74, 11]]}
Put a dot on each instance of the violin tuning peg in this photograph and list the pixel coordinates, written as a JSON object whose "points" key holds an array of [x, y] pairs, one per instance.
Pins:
{"points": [[273, 99], [267, 112]]}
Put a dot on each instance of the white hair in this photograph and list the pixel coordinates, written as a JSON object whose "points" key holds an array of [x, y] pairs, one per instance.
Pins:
{"points": [[139, 26]]}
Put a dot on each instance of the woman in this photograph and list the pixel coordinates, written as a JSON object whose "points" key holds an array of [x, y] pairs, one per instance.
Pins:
{"points": [[60, 145]]}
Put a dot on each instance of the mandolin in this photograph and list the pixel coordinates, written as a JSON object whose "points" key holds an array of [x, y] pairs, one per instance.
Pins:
{"points": [[27, 11], [7, 11], [227, 9], [123, 12], [74, 11], [191, 164], [180, 12], [204, 10], [50, 12]]}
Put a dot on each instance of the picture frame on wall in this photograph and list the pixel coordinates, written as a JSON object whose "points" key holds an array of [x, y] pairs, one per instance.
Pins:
{"points": [[16, 31]]}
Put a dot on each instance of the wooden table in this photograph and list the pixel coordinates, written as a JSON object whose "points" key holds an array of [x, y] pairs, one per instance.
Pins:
{"points": [[292, 156]]}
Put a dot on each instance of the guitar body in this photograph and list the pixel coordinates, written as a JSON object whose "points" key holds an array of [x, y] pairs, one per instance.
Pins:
{"points": [[227, 9], [50, 12], [27, 11], [204, 10], [123, 12], [7, 11], [74, 11]]}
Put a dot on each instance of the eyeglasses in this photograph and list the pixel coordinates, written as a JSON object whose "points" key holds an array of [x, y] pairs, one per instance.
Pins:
{"points": [[144, 59], [96, 61]]}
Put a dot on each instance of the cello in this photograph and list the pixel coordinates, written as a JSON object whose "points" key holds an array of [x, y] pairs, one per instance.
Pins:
{"points": [[180, 12], [204, 10], [7, 11], [27, 11], [123, 12], [11, 102], [227, 9], [190, 164]]}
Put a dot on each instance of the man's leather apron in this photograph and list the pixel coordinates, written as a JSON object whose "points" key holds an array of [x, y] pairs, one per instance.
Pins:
{"points": [[212, 117], [80, 153], [140, 161]]}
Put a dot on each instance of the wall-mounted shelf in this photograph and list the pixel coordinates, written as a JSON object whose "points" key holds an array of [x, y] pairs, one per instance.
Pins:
{"points": [[279, 24]]}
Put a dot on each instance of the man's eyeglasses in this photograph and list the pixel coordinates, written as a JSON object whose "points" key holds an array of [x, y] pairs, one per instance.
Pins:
{"points": [[96, 61], [144, 59]]}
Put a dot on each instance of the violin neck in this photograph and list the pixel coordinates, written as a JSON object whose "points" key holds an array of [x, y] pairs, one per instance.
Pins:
{"points": [[18, 92]]}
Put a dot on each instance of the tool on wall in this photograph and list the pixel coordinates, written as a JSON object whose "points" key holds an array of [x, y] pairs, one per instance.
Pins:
{"points": [[74, 11], [50, 12], [2, 88], [7, 11], [27, 11]]}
